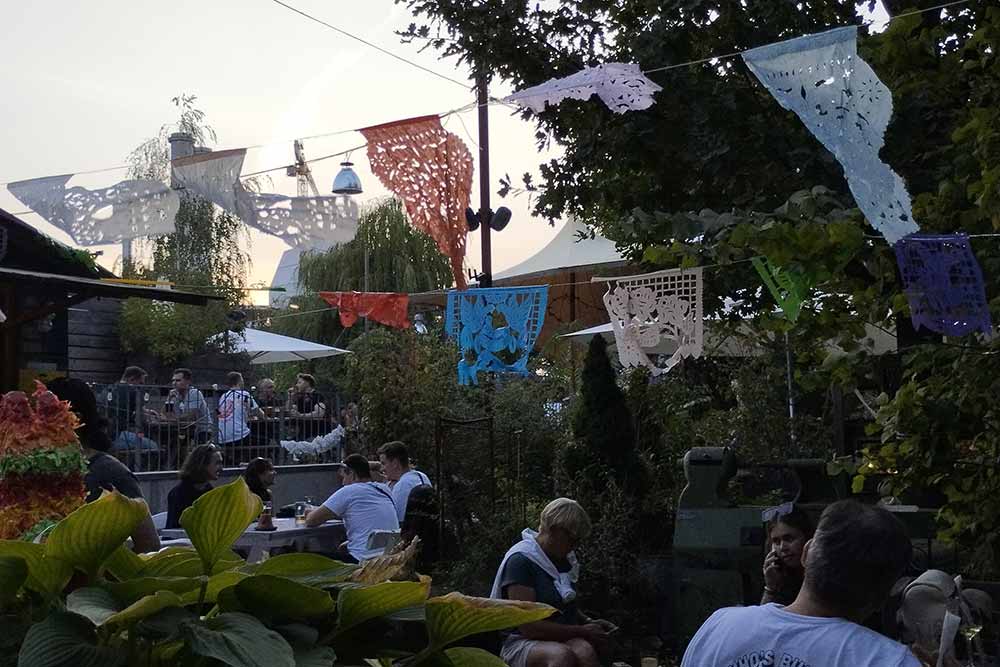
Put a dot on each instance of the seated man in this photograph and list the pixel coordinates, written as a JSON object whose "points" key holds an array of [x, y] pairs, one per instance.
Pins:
{"points": [[856, 555], [365, 506], [396, 463], [307, 408]]}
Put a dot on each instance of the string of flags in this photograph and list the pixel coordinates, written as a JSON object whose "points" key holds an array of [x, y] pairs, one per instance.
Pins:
{"points": [[495, 328], [819, 77]]}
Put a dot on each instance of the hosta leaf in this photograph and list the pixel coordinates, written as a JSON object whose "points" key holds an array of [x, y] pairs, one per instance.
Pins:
{"points": [[45, 575], [92, 532], [321, 656], [455, 616], [63, 639], [147, 606], [216, 583], [173, 562], [462, 656], [273, 597], [357, 605], [95, 604], [127, 592], [306, 568], [123, 563], [218, 518], [13, 574], [239, 640]]}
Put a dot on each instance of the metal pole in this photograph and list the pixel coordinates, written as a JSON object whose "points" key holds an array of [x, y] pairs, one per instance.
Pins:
{"points": [[791, 394], [365, 241], [482, 94]]}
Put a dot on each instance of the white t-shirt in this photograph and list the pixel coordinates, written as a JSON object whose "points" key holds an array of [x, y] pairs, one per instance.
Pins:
{"points": [[364, 507], [235, 407], [769, 636], [401, 490], [194, 401]]}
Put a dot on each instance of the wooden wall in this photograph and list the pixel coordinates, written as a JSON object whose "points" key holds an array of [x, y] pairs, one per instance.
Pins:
{"points": [[94, 349]]}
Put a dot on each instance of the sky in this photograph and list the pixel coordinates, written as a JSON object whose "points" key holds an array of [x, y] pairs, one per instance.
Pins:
{"points": [[82, 91]]}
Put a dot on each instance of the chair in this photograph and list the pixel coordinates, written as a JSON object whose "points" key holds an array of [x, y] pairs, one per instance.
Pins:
{"points": [[160, 521], [383, 539]]}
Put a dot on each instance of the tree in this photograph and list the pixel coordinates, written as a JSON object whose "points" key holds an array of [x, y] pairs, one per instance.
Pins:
{"points": [[400, 259], [717, 141], [603, 430], [203, 254]]}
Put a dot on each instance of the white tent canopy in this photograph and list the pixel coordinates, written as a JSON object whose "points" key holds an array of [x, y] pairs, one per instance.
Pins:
{"points": [[265, 347], [717, 344], [566, 251]]}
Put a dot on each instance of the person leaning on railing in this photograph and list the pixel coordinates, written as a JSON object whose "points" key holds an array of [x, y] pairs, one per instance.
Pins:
{"points": [[188, 407], [104, 472]]}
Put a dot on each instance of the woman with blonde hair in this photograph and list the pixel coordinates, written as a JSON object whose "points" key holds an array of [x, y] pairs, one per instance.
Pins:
{"points": [[542, 567]]}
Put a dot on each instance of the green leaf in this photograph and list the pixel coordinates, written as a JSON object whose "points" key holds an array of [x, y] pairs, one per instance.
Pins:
{"points": [[63, 639], [273, 597], [410, 614], [857, 484], [216, 583], [173, 562], [218, 518], [123, 563], [91, 533], [321, 656], [357, 605], [165, 624], [127, 592], [455, 616], [147, 606], [307, 568], [45, 575], [13, 574], [239, 640], [462, 656], [93, 603]]}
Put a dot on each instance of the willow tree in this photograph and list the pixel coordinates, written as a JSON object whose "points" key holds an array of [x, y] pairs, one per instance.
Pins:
{"points": [[203, 254]]}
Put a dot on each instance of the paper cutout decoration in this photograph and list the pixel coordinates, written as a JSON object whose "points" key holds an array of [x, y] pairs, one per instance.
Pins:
{"points": [[648, 309], [388, 308], [787, 287], [622, 87], [126, 210], [302, 222], [318, 445], [844, 104], [495, 328], [430, 169], [943, 284]]}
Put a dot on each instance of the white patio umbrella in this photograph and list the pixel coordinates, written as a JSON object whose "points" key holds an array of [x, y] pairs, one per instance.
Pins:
{"points": [[265, 347]]}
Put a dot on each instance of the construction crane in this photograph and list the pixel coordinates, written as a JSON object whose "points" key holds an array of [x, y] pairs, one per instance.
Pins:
{"points": [[302, 173]]}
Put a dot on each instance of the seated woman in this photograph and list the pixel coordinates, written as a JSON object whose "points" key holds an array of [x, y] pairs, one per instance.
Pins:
{"points": [[783, 573], [542, 568], [201, 467], [259, 476]]}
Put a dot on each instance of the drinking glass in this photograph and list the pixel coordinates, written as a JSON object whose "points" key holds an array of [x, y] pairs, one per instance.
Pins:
{"points": [[300, 513]]}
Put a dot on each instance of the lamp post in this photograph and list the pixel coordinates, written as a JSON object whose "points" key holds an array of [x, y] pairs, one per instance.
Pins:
{"points": [[483, 98]]}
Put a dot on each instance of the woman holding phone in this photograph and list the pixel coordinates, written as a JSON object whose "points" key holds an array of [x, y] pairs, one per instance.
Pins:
{"points": [[787, 532]]}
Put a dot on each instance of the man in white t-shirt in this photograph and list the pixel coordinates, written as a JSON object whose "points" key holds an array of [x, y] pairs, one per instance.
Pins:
{"points": [[395, 461], [236, 407], [365, 506], [857, 554]]}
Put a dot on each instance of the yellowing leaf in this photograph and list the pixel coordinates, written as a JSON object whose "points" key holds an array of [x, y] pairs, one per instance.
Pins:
{"points": [[91, 533], [357, 605], [172, 562], [45, 575], [455, 616], [217, 518], [144, 608], [384, 568]]}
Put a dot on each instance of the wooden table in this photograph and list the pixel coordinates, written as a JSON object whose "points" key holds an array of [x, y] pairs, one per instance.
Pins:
{"points": [[327, 537]]}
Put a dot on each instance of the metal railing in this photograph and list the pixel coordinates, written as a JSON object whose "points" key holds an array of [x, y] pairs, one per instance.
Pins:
{"points": [[153, 430]]}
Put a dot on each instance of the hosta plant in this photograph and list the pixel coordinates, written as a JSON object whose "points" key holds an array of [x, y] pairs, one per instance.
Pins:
{"points": [[82, 599]]}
